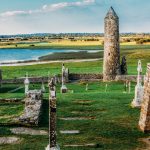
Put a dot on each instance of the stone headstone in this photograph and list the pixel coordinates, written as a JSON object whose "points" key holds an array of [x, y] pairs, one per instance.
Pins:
{"points": [[64, 89], [138, 88], [144, 122], [111, 62]]}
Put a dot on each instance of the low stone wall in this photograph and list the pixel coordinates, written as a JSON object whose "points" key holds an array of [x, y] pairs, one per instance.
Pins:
{"points": [[91, 76], [132, 78], [31, 79], [33, 105], [72, 76], [21, 80]]}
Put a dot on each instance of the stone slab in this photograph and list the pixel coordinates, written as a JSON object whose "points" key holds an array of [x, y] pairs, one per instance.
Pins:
{"points": [[78, 118], [70, 132], [9, 140], [81, 145], [29, 131]]}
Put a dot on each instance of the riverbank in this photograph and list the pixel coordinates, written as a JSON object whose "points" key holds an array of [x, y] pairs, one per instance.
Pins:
{"points": [[29, 63]]}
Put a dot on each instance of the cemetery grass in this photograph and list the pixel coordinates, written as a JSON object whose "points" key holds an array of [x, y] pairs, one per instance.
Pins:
{"points": [[112, 123]]}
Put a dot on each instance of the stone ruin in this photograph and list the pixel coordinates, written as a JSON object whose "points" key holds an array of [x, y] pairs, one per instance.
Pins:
{"points": [[144, 122], [33, 104], [111, 63]]}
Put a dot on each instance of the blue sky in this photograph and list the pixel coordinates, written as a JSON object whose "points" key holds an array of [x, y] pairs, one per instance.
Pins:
{"points": [[59, 16]]}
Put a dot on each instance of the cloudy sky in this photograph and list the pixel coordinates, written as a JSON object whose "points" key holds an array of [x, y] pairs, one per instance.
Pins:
{"points": [[59, 16]]}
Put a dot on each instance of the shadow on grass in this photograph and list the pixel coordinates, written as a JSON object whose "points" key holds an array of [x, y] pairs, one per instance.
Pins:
{"points": [[44, 121]]}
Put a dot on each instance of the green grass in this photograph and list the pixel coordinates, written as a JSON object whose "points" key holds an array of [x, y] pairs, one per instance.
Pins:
{"points": [[74, 67], [116, 123], [115, 126], [133, 54]]}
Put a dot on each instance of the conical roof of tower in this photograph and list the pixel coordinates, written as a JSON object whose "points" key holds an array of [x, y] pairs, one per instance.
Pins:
{"points": [[111, 12]]}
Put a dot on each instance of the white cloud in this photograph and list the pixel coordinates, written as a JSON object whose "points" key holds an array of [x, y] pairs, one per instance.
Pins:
{"points": [[13, 13], [47, 8]]}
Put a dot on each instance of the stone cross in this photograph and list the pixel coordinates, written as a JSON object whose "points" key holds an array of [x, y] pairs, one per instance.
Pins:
{"points": [[144, 121], [52, 116], [63, 86], [26, 83], [139, 69], [138, 88], [63, 74]]}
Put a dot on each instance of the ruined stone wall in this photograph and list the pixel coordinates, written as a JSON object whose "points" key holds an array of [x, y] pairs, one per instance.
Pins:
{"points": [[72, 76], [111, 63], [132, 78], [89, 76], [32, 110], [144, 122]]}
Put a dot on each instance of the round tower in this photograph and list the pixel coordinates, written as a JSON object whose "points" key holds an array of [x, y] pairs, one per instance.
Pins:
{"points": [[111, 64]]}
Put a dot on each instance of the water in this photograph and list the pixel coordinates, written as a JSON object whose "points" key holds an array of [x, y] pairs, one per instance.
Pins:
{"points": [[14, 55]]}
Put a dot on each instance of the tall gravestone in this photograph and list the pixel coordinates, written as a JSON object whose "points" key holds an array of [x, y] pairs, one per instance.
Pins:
{"points": [[52, 117], [138, 88], [111, 63], [63, 86], [144, 122], [26, 83]]}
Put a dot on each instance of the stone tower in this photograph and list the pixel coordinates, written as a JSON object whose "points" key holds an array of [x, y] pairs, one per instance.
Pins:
{"points": [[111, 64]]}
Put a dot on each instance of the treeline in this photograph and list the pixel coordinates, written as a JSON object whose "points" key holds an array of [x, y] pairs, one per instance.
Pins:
{"points": [[137, 40]]}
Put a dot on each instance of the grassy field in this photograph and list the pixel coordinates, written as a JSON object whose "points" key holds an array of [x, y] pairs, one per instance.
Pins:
{"points": [[114, 124], [111, 124], [78, 67], [63, 44]]}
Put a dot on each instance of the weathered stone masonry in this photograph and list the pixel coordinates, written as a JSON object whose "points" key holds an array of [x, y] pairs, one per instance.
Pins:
{"points": [[33, 104], [144, 122], [111, 66]]}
